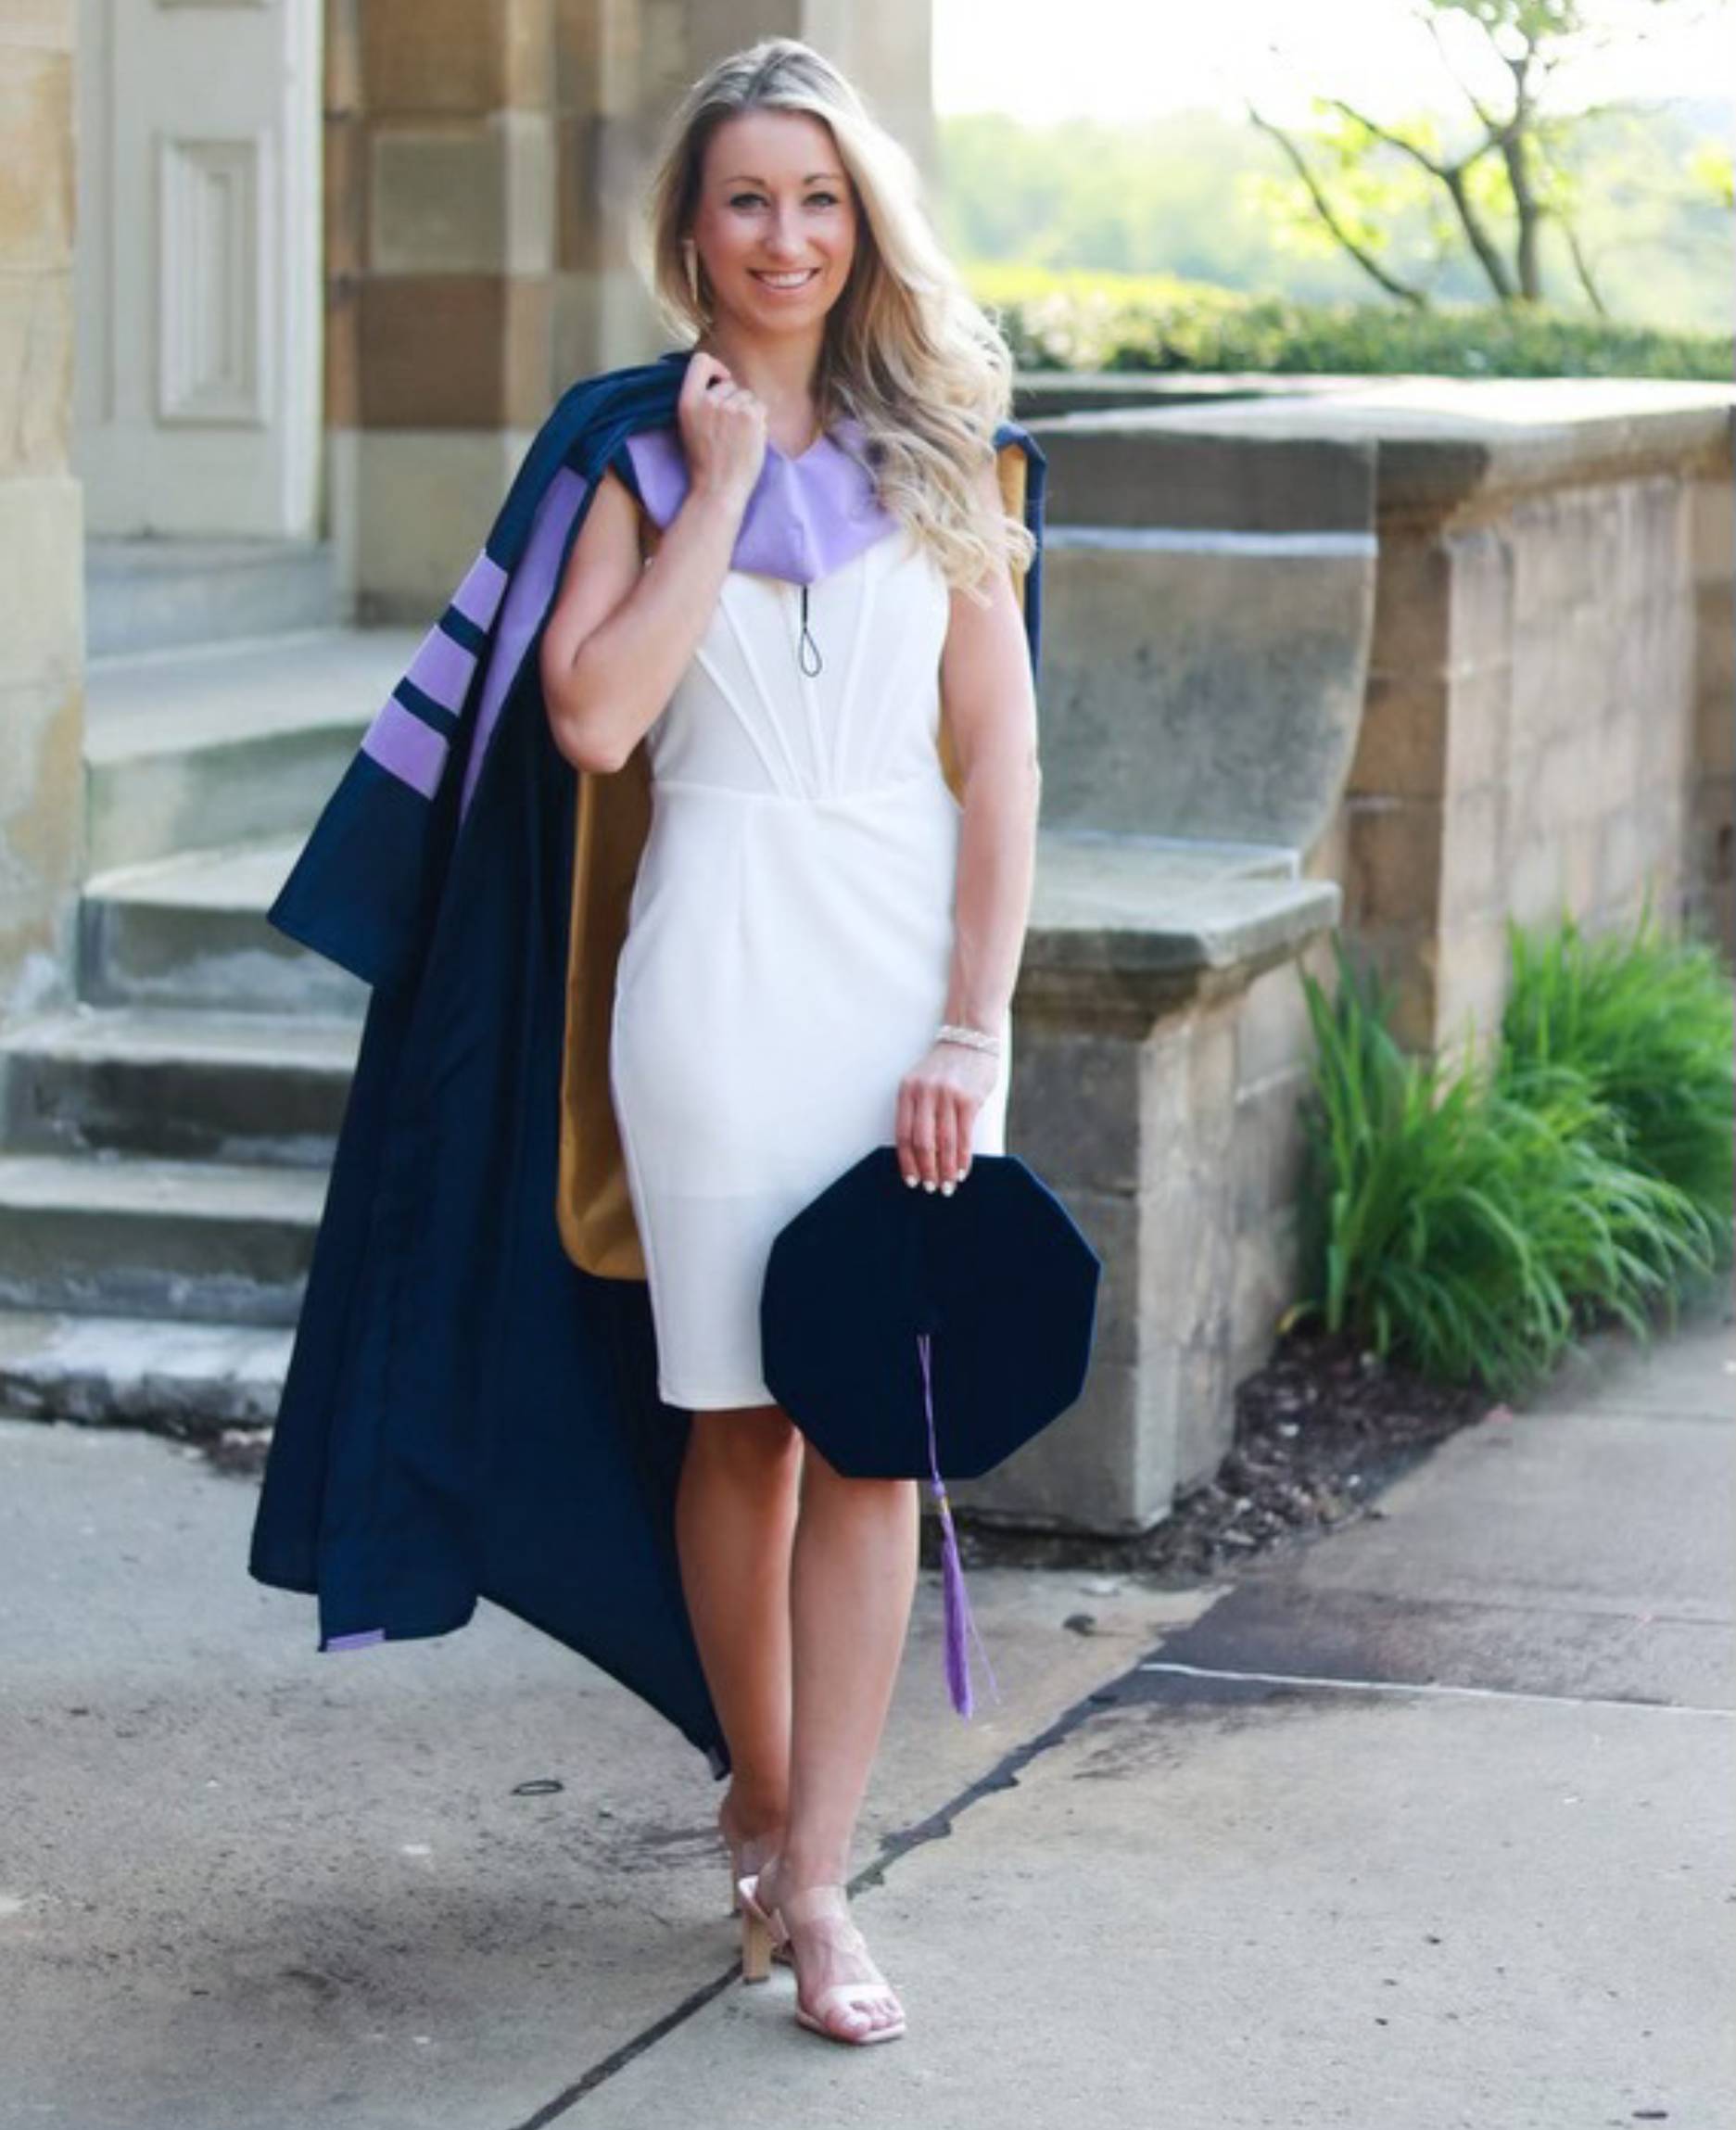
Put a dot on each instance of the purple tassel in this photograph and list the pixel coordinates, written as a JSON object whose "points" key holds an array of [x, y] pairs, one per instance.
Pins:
{"points": [[958, 1615]]}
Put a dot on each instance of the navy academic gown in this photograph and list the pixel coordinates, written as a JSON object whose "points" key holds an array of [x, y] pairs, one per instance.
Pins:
{"points": [[468, 1412]]}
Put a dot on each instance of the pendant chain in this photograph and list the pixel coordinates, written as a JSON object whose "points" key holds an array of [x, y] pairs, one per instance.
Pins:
{"points": [[805, 642]]}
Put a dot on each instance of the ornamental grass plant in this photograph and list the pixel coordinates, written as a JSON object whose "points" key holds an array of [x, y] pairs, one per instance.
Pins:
{"points": [[1646, 1021], [1470, 1221]]}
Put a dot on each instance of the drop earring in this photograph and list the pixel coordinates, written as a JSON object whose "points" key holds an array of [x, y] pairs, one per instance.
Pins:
{"points": [[690, 253]]}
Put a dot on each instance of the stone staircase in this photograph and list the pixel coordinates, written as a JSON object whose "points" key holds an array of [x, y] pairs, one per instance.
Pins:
{"points": [[164, 1142]]}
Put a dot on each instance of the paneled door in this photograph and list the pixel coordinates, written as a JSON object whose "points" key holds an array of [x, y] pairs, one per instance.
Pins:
{"points": [[197, 267]]}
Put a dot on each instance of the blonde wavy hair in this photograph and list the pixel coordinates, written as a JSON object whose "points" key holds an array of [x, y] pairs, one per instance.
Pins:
{"points": [[907, 351]]}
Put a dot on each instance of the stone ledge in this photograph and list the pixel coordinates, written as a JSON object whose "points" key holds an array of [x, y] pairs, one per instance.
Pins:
{"points": [[1136, 468], [1449, 442], [1130, 924]]}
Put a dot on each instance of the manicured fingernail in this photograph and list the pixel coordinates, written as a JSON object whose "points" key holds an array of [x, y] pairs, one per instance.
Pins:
{"points": [[926, 1185], [947, 1189], [911, 1181]]}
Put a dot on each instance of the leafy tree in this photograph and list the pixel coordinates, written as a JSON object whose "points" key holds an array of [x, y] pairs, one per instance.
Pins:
{"points": [[1490, 189], [1198, 198]]}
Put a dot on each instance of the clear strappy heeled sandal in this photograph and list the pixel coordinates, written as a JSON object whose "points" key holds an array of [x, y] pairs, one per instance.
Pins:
{"points": [[747, 1860], [768, 1931]]}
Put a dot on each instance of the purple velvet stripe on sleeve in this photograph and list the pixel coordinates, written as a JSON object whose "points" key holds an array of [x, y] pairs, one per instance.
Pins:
{"points": [[365, 1639], [532, 588], [478, 598], [442, 669], [406, 748]]}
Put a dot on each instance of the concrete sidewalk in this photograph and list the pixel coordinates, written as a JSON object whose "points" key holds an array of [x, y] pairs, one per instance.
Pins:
{"points": [[1427, 1823]]}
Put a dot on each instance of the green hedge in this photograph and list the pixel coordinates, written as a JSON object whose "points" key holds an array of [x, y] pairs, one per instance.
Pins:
{"points": [[1083, 321]]}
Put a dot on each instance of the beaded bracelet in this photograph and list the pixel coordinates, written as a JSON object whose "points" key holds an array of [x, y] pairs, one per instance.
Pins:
{"points": [[973, 1038]]}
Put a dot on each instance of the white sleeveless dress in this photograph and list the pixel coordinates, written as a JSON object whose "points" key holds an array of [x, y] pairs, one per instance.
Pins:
{"points": [[789, 939]]}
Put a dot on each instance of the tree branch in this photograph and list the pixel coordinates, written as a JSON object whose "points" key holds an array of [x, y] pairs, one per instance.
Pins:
{"points": [[1397, 141], [1515, 154], [1581, 266], [1324, 208], [1452, 175], [1491, 124], [1488, 257]]}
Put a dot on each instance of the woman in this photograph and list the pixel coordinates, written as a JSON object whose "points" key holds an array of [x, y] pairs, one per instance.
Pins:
{"points": [[822, 944]]}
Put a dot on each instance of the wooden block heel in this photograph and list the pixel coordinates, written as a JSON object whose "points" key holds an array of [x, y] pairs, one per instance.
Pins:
{"points": [[757, 1937]]}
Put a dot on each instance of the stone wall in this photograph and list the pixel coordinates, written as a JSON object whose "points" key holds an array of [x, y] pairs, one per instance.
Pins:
{"points": [[439, 259], [41, 523], [1548, 725], [1535, 714]]}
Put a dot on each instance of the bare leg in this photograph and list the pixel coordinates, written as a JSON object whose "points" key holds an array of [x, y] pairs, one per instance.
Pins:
{"points": [[735, 1524], [853, 1580]]}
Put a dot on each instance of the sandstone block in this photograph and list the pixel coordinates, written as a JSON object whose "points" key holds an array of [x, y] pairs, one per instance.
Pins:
{"points": [[1400, 751], [1394, 853], [424, 500], [1480, 621], [36, 329], [491, 334], [36, 172]]}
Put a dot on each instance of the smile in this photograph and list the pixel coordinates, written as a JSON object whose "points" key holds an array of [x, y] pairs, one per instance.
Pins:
{"points": [[787, 280]]}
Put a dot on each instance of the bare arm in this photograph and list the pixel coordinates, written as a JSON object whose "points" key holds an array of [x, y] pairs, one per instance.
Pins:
{"points": [[619, 637], [991, 713]]}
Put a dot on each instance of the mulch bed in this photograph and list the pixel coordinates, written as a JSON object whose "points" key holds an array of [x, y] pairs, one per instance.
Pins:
{"points": [[1321, 1430]]}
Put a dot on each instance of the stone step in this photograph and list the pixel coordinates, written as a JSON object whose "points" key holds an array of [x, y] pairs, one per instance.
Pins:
{"points": [[191, 932], [219, 745], [140, 594], [122, 1236], [187, 1378], [234, 1087]]}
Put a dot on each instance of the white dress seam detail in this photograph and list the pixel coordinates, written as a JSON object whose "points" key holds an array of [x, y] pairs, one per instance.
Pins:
{"points": [[733, 620], [702, 657]]}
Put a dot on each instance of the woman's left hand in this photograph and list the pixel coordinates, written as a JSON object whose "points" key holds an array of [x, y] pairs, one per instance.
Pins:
{"points": [[938, 1101]]}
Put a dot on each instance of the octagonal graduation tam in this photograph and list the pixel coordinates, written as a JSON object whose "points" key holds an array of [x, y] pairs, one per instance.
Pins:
{"points": [[905, 1330]]}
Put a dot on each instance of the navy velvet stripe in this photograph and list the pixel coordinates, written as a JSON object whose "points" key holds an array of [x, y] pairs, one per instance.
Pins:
{"points": [[463, 631], [444, 721]]}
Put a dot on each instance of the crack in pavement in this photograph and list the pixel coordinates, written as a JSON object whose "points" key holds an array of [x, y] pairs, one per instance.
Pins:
{"points": [[1421, 1686]]}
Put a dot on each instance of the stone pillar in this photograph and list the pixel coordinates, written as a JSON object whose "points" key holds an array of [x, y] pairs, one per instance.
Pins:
{"points": [[1548, 725], [42, 614], [441, 252]]}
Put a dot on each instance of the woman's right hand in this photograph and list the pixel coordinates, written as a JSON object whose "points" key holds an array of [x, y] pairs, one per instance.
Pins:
{"points": [[723, 431]]}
